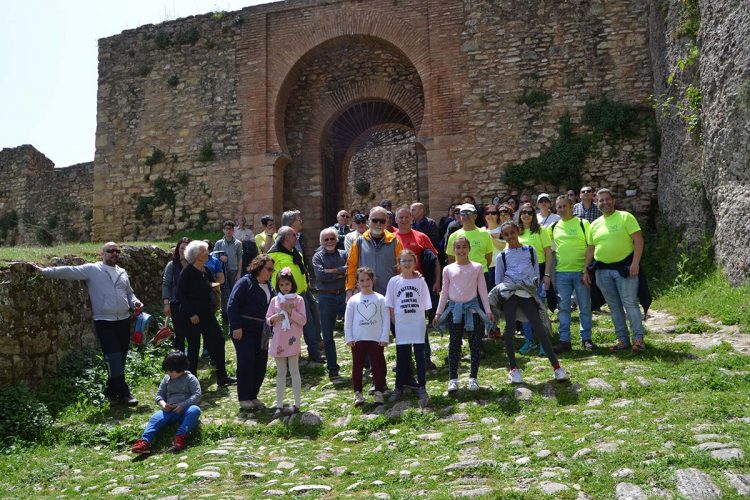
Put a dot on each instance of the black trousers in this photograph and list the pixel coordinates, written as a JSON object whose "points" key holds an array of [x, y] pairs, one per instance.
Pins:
{"points": [[251, 360], [212, 338], [455, 340], [403, 364], [180, 328], [529, 307], [114, 338]]}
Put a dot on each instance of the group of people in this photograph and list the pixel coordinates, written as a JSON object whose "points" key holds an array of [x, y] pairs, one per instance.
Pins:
{"points": [[387, 273]]}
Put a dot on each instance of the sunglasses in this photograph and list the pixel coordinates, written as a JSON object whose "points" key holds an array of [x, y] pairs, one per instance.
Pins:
{"points": [[344, 216], [406, 261], [527, 212], [378, 221], [330, 239], [465, 213], [112, 250]]}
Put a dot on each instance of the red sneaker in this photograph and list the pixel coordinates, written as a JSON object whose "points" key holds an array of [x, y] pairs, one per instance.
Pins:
{"points": [[180, 442], [142, 447]]}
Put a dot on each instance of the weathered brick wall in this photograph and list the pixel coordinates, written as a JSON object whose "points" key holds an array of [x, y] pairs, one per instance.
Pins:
{"points": [[171, 87], [52, 204], [43, 319]]}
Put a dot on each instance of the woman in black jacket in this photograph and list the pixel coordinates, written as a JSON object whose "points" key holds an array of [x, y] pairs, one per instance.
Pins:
{"points": [[170, 280], [196, 297], [246, 309]]}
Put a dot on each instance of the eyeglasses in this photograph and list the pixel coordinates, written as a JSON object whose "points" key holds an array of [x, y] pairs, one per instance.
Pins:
{"points": [[406, 261], [587, 191], [329, 239], [378, 221], [112, 250], [527, 212]]}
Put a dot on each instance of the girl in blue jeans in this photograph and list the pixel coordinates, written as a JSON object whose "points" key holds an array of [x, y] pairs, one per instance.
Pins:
{"points": [[177, 395]]}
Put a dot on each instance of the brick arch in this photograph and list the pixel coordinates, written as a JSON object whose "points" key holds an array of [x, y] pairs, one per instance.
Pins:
{"points": [[398, 36]]}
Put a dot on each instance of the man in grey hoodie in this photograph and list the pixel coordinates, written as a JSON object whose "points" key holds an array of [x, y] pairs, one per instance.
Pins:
{"points": [[112, 304]]}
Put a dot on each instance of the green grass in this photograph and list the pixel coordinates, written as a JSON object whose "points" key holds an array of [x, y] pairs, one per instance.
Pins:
{"points": [[711, 296], [88, 451]]}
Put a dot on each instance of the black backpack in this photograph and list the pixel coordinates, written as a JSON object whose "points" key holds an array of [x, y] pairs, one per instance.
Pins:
{"points": [[531, 255]]}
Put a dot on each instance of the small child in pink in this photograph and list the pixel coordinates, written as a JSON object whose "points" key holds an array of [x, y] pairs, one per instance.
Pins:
{"points": [[286, 313]]}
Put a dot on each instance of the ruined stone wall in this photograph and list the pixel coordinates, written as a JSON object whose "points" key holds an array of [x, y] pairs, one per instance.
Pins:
{"points": [[388, 163], [43, 319], [570, 52], [51, 204], [167, 128]]}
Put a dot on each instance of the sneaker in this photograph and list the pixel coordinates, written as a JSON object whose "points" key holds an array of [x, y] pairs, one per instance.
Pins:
{"points": [[359, 399], [621, 345], [588, 345], [225, 381], [473, 384], [180, 442], [560, 375], [527, 347], [141, 447], [453, 386], [638, 345], [514, 376], [429, 365], [128, 400], [562, 347], [377, 398], [395, 395], [411, 384], [423, 396]]}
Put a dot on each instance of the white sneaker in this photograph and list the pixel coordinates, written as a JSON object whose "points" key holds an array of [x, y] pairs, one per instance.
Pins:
{"points": [[560, 375], [359, 399], [377, 398], [514, 376], [473, 384], [452, 385]]}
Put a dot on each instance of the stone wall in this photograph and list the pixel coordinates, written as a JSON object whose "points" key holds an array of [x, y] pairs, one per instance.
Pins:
{"points": [[51, 204], [43, 319]]}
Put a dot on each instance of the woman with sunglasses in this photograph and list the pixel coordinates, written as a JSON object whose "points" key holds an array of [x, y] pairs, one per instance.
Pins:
{"points": [[532, 234]]}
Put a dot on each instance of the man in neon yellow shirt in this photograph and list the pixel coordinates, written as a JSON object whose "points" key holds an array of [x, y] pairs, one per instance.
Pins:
{"points": [[618, 247], [479, 238], [266, 239], [569, 237]]}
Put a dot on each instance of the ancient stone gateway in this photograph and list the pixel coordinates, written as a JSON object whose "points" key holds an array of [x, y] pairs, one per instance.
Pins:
{"points": [[324, 105]]}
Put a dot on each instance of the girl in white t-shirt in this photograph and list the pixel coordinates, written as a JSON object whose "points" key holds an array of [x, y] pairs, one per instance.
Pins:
{"points": [[408, 298], [366, 330]]}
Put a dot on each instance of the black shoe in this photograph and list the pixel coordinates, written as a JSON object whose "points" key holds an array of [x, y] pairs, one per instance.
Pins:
{"points": [[411, 384], [225, 381], [429, 366], [129, 400], [562, 347], [588, 345]]}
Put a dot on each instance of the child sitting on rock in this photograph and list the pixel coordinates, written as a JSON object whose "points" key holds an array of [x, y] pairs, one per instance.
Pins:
{"points": [[177, 395]]}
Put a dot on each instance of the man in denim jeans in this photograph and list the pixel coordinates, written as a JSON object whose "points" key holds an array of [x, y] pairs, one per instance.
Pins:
{"points": [[618, 247], [329, 263], [569, 236]]}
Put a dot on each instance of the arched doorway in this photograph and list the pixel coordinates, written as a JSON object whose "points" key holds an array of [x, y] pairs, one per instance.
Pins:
{"points": [[352, 107]]}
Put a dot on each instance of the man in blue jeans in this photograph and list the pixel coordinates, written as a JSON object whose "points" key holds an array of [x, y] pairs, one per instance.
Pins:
{"points": [[618, 246], [329, 264], [569, 237]]}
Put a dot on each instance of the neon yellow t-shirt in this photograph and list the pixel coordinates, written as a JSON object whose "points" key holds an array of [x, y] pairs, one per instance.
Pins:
{"points": [[539, 241], [260, 240], [570, 244], [480, 241], [611, 236]]}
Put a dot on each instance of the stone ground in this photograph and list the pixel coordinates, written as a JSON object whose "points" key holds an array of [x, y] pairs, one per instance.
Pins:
{"points": [[668, 423]]}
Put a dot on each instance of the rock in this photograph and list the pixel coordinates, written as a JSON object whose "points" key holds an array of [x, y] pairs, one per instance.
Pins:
{"points": [[696, 485], [621, 403], [382, 495], [252, 475], [474, 438], [623, 473], [470, 464], [702, 438], [582, 452], [285, 465], [712, 445], [343, 434], [594, 402], [207, 474], [543, 454], [311, 418], [398, 409], [432, 436], [550, 488], [339, 471], [607, 447], [523, 461], [489, 420], [275, 493], [354, 486], [740, 482], [644, 382], [474, 492], [629, 491], [404, 474], [601, 384], [377, 482], [302, 488], [342, 421], [217, 452], [182, 465], [522, 394], [122, 458], [727, 454], [120, 490]]}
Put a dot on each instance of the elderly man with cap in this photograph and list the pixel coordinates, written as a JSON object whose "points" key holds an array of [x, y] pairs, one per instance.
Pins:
{"points": [[359, 225], [112, 303], [544, 215]]}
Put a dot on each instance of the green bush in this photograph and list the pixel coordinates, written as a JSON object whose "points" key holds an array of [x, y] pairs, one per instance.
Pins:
{"points": [[162, 40], [78, 382], [533, 98], [157, 156], [615, 120], [22, 416], [207, 152]]}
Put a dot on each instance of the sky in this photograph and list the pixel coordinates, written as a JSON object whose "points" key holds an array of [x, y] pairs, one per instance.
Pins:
{"points": [[48, 66]]}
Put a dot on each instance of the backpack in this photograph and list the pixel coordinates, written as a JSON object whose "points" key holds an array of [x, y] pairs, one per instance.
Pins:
{"points": [[531, 255]]}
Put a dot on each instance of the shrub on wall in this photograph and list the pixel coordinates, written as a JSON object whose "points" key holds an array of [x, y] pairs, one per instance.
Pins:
{"points": [[22, 416], [207, 152]]}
